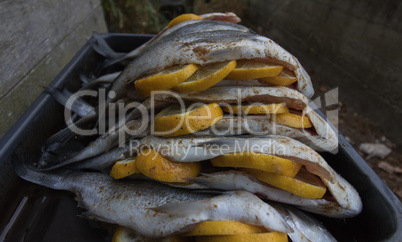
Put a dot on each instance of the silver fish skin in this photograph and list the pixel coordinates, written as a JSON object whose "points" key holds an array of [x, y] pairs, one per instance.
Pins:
{"points": [[226, 17], [151, 209], [178, 30], [107, 141], [103, 162], [237, 180]]}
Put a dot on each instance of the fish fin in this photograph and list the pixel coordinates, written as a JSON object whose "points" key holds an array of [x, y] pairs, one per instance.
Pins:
{"points": [[217, 207], [57, 140], [54, 180], [79, 106], [100, 45], [54, 151], [182, 209]]}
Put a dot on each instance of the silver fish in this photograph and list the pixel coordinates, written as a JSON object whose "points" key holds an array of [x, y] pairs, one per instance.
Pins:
{"points": [[206, 48], [194, 149], [348, 202], [178, 30], [226, 17], [235, 95], [150, 59], [102, 162], [236, 180], [305, 228], [324, 140], [151, 209], [103, 143]]}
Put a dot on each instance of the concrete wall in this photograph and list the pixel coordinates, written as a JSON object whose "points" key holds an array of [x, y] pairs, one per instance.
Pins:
{"points": [[353, 45], [38, 38]]}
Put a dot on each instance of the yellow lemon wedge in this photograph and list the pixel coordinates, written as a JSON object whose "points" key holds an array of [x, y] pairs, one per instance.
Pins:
{"points": [[173, 121], [304, 184], [206, 76], [259, 161], [182, 18], [256, 109], [123, 168], [224, 228], [285, 78], [123, 234], [251, 69], [258, 237], [152, 164], [293, 120], [164, 80]]}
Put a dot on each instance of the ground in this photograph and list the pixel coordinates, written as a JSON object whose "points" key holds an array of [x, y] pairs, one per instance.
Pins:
{"points": [[358, 130]]}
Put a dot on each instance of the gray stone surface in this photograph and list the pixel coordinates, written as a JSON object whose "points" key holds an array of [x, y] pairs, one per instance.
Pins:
{"points": [[38, 39], [353, 45]]}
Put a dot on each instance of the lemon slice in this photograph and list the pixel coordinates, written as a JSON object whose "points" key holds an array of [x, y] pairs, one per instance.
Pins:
{"points": [[263, 162], [224, 228], [173, 121], [256, 109], [304, 184], [285, 78], [164, 80], [261, 237], [123, 168], [251, 69], [182, 18], [154, 165], [123, 234], [293, 120], [206, 76]]}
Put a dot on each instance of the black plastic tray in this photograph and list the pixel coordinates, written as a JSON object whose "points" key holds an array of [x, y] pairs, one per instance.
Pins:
{"points": [[34, 213]]}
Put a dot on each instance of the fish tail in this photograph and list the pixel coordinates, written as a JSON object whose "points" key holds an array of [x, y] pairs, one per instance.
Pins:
{"points": [[79, 106], [52, 148], [54, 180], [100, 45]]}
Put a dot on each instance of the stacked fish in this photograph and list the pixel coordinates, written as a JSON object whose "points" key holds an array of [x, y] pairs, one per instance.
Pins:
{"points": [[233, 131]]}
